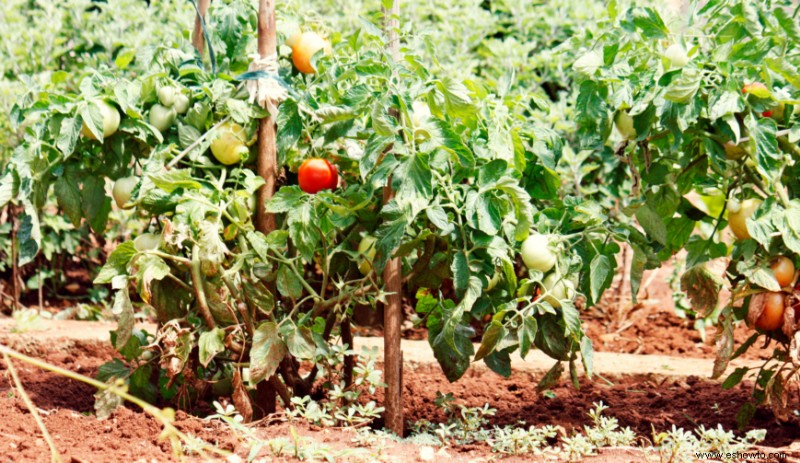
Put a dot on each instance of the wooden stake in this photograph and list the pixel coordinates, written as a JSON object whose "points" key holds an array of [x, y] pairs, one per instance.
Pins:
{"points": [[16, 288], [198, 40], [393, 280], [266, 391], [267, 146]]}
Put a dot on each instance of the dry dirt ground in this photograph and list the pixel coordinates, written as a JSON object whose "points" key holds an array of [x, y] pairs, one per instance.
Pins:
{"points": [[673, 392]]}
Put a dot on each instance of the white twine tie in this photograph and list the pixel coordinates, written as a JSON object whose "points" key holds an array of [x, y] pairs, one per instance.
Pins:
{"points": [[267, 92]]}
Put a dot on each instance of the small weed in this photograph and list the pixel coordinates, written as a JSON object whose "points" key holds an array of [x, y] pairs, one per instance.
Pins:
{"points": [[342, 406]]}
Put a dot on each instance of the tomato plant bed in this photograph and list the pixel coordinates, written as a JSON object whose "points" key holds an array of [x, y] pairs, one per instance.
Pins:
{"points": [[643, 402]]}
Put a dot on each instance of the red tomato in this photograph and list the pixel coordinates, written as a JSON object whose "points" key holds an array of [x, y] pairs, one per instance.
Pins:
{"points": [[317, 174], [767, 113]]}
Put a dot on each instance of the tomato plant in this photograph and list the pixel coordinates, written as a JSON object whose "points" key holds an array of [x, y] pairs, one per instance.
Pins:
{"points": [[699, 127], [474, 181]]}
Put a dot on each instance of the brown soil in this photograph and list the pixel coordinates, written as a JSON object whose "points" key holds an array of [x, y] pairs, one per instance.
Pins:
{"points": [[643, 402]]}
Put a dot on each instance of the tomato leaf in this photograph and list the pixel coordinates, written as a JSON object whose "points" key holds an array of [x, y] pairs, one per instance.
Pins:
{"points": [[652, 223], [148, 269], [116, 264], [683, 88], [763, 137], [96, 203], [702, 288], [587, 355], [171, 180], [649, 22], [68, 196], [491, 337], [68, 136], [266, 353], [461, 274], [92, 117], [301, 344], [113, 369], [551, 378], [123, 309], [210, 343], [724, 342], [288, 284], [499, 362], [735, 378], [601, 275], [526, 335]]}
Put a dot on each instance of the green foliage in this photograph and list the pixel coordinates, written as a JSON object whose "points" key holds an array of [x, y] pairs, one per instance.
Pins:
{"points": [[487, 129], [463, 161]]}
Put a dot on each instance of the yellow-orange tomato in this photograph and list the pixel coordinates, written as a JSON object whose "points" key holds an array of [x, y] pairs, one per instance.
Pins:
{"points": [[737, 219], [783, 268], [772, 316], [304, 46]]}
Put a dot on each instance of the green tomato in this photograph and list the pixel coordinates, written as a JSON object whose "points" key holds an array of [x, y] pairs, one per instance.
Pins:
{"points": [[589, 63], [228, 145], [676, 55], [624, 123], [558, 289], [162, 117], [181, 103], [537, 253], [147, 242], [366, 254], [111, 121], [420, 112], [232, 154], [122, 190], [167, 95]]}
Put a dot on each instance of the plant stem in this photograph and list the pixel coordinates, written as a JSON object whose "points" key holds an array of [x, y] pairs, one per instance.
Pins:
{"points": [[197, 282]]}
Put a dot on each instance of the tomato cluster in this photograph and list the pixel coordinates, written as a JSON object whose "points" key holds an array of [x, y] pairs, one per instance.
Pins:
{"points": [[767, 310]]}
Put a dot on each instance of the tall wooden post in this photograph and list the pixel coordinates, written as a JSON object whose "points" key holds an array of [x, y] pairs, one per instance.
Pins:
{"points": [[198, 40], [266, 166], [267, 147], [392, 278]]}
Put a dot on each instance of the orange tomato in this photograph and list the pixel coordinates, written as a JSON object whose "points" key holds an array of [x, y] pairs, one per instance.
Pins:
{"points": [[772, 316], [783, 269], [304, 47]]}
